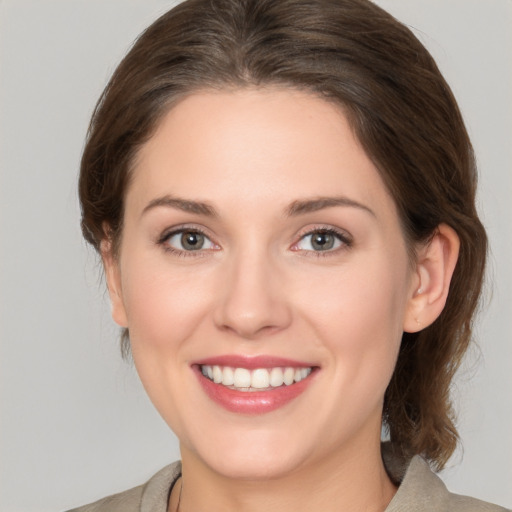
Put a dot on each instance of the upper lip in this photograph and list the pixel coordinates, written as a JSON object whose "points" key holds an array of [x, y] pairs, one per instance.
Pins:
{"points": [[252, 362]]}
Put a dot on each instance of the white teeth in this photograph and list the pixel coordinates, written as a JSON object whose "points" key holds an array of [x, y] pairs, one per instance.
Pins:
{"points": [[276, 377], [228, 378], [301, 373], [289, 373], [217, 374], [242, 378], [261, 378]]}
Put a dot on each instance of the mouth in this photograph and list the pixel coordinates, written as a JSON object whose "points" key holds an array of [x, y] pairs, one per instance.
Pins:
{"points": [[253, 385], [259, 379]]}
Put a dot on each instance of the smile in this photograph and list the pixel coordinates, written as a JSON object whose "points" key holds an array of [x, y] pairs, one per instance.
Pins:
{"points": [[254, 385], [259, 379]]}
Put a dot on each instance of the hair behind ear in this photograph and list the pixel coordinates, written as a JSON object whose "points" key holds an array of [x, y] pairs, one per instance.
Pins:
{"points": [[417, 407]]}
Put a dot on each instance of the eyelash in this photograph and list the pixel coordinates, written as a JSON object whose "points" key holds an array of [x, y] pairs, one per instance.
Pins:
{"points": [[166, 236], [343, 237]]}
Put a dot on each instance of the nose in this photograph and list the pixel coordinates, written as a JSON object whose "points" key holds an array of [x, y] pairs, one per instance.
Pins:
{"points": [[253, 301]]}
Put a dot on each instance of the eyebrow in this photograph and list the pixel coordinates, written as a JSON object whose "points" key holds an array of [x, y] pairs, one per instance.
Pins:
{"points": [[185, 205], [320, 203], [296, 208]]}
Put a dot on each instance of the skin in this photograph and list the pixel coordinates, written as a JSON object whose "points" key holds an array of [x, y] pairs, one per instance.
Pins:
{"points": [[258, 287]]}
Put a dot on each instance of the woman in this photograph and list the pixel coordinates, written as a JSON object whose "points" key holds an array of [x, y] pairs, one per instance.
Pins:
{"points": [[282, 194]]}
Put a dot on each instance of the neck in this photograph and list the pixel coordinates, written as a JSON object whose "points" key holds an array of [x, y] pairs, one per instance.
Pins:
{"points": [[351, 479]]}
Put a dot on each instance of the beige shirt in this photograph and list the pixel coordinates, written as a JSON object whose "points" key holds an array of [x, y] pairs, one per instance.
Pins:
{"points": [[420, 490]]}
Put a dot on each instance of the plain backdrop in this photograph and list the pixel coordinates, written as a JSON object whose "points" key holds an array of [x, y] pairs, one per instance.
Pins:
{"points": [[75, 424]]}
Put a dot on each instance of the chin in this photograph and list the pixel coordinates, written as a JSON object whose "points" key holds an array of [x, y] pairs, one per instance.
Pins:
{"points": [[253, 455], [253, 465]]}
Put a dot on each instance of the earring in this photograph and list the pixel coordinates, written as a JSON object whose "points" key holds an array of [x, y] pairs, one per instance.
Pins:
{"points": [[420, 291]]}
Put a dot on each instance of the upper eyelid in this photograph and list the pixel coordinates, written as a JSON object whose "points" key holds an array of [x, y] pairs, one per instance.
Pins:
{"points": [[168, 232], [343, 234]]}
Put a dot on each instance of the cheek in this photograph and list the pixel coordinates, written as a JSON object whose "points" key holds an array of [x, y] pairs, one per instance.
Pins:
{"points": [[165, 308], [358, 316], [164, 305]]}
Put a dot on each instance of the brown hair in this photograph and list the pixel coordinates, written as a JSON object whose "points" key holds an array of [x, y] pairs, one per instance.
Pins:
{"points": [[355, 54]]}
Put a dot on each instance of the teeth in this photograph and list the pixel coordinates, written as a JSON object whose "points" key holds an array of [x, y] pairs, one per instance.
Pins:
{"points": [[276, 377], [261, 378], [217, 374], [242, 378], [228, 377], [288, 376]]}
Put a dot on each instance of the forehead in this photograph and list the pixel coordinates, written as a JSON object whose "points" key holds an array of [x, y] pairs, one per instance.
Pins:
{"points": [[253, 145]]}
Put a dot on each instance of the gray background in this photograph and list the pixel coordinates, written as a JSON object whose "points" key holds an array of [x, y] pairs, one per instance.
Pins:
{"points": [[75, 424]]}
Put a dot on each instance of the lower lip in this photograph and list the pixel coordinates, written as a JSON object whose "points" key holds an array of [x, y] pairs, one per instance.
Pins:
{"points": [[252, 402]]}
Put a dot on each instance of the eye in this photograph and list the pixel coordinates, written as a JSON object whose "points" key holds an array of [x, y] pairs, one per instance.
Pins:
{"points": [[322, 240], [188, 240]]}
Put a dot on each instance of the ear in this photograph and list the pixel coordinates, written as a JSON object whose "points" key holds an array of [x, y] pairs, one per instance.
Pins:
{"points": [[435, 264], [113, 277]]}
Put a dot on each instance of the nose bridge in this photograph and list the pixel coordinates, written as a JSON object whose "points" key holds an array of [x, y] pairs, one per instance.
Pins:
{"points": [[253, 299]]}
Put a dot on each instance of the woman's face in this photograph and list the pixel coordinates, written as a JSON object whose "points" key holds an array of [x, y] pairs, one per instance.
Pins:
{"points": [[259, 236]]}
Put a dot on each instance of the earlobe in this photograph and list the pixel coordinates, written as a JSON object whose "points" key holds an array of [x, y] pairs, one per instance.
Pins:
{"points": [[113, 278], [435, 265]]}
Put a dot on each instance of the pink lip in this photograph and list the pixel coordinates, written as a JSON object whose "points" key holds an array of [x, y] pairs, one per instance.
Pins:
{"points": [[252, 402], [252, 362]]}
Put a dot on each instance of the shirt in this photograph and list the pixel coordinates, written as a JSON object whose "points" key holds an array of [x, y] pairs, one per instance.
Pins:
{"points": [[420, 490]]}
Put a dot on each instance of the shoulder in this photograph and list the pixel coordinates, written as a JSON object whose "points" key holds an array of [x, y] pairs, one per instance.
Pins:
{"points": [[127, 501], [421, 490], [149, 497]]}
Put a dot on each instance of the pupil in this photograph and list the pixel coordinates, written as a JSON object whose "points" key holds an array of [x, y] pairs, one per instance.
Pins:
{"points": [[192, 241], [322, 241]]}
